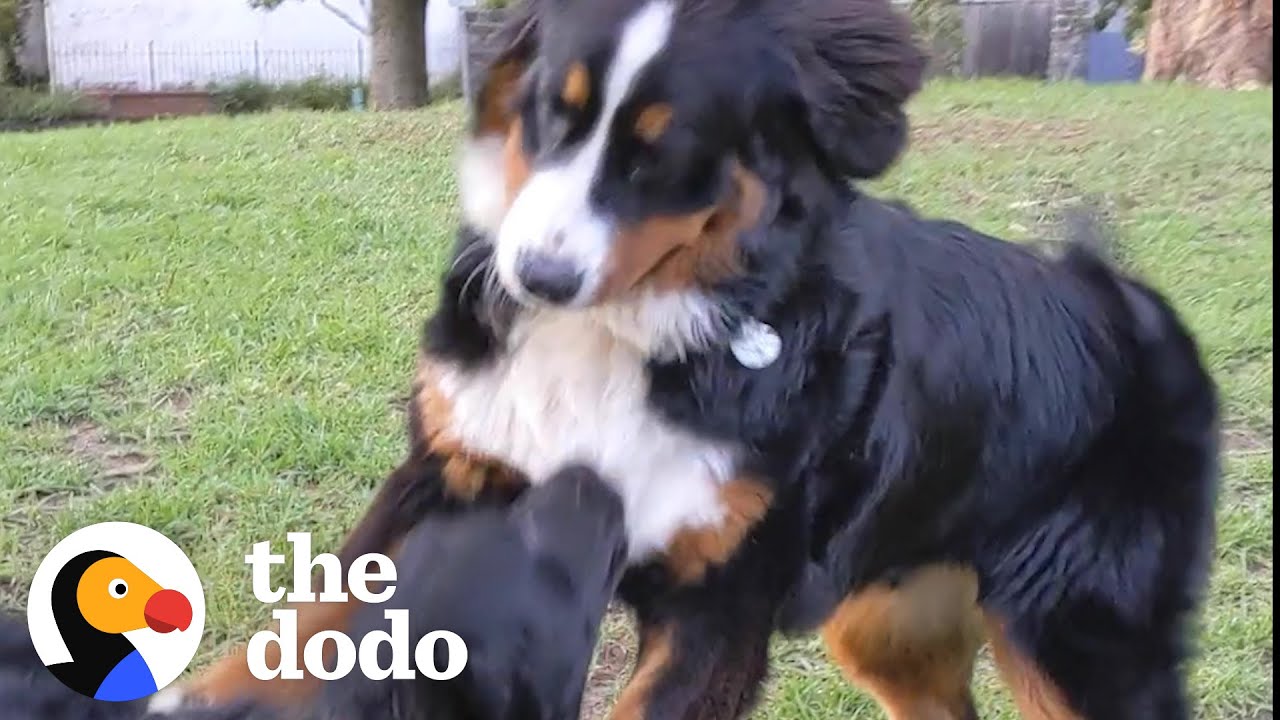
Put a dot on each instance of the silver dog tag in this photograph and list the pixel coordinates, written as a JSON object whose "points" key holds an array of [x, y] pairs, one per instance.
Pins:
{"points": [[757, 345]]}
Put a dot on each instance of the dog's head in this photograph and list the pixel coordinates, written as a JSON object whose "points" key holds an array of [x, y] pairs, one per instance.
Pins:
{"points": [[619, 146], [525, 588]]}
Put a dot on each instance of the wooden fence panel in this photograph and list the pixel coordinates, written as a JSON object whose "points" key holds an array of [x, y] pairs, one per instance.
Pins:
{"points": [[1006, 37]]}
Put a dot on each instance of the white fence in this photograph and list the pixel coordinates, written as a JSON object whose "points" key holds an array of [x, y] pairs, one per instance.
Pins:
{"points": [[158, 44], [157, 66]]}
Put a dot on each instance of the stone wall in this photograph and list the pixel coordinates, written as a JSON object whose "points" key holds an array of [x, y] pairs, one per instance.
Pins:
{"points": [[1068, 35], [480, 28]]}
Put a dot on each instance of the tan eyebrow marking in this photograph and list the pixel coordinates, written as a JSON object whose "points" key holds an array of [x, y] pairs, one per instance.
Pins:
{"points": [[577, 86], [653, 121]]}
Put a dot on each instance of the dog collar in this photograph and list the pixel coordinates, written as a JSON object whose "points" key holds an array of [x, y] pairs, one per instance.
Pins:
{"points": [[756, 345]]}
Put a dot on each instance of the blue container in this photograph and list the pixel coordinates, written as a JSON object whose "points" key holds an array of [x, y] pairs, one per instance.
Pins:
{"points": [[1108, 59]]}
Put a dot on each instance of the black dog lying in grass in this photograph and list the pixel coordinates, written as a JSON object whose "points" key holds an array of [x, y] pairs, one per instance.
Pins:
{"points": [[525, 588]]}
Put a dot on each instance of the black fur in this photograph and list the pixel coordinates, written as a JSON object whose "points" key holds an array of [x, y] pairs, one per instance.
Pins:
{"points": [[525, 589]]}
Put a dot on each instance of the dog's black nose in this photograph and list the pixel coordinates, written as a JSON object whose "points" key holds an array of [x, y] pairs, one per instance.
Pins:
{"points": [[548, 277]]}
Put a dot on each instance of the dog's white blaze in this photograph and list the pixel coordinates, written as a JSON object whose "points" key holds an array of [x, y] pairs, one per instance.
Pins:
{"points": [[552, 212], [568, 389]]}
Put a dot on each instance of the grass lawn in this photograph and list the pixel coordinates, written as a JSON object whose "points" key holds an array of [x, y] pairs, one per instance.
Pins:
{"points": [[209, 325]]}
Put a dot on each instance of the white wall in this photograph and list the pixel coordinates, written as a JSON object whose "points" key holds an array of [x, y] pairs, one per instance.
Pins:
{"points": [[169, 43]]}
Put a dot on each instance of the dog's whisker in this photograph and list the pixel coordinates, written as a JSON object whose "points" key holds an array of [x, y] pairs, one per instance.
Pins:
{"points": [[474, 247], [477, 270]]}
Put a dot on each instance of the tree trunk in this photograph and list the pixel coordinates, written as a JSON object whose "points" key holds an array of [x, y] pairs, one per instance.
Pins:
{"points": [[32, 52], [398, 77], [1217, 43]]}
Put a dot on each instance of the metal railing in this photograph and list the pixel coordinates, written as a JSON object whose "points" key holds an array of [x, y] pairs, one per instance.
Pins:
{"points": [[155, 66]]}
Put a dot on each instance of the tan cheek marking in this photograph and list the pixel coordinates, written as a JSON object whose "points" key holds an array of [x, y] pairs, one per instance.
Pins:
{"points": [[515, 169], [660, 243], [657, 650], [466, 473], [653, 121], [681, 251], [693, 550], [577, 86]]}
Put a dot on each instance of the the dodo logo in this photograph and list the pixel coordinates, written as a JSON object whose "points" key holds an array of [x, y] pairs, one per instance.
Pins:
{"points": [[116, 611]]}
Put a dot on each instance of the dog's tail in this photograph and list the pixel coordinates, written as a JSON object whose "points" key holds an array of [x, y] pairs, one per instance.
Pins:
{"points": [[1149, 320], [1090, 251], [1169, 380]]}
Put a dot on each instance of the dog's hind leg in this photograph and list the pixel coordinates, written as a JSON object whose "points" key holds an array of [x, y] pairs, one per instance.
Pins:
{"points": [[1091, 612], [912, 644], [1063, 671]]}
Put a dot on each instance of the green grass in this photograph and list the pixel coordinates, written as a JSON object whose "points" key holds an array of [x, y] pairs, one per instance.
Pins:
{"points": [[209, 323]]}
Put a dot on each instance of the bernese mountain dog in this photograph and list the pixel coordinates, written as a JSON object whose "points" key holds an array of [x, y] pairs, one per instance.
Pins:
{"points": [[525, 588], [819, 408]]}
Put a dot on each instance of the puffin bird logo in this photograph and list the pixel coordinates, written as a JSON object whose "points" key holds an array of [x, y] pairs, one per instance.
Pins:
{"points": [[107, 628], [97, 597]]}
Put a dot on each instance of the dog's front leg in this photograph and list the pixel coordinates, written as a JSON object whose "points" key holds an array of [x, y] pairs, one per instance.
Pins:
{"points": [[708, 607], [694, 665]]}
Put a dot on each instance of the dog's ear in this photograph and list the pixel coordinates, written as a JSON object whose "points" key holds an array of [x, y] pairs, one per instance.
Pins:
{"points": [[856, 64], [489, 153], [516, 43]]}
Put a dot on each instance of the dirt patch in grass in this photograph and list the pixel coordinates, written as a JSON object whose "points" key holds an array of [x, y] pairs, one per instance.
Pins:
{"points": [[178, 402], [613, 661], [994, 132], [1243, 440], [1258, 566], [13, 594], [115, 460]]}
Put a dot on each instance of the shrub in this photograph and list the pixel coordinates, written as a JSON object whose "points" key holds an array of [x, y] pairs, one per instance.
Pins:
{"points": [[1135, 21], [939, 27], [27, 106], [9, 40], [448, 89], [249, 95], [317, 93], [242, 96]]}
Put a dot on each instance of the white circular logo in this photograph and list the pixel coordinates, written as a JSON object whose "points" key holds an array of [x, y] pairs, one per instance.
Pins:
{"points": [[116, 611]]}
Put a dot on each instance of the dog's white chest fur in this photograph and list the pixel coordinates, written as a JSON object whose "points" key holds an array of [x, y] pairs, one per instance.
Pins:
{"points": [[568, 390]]}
